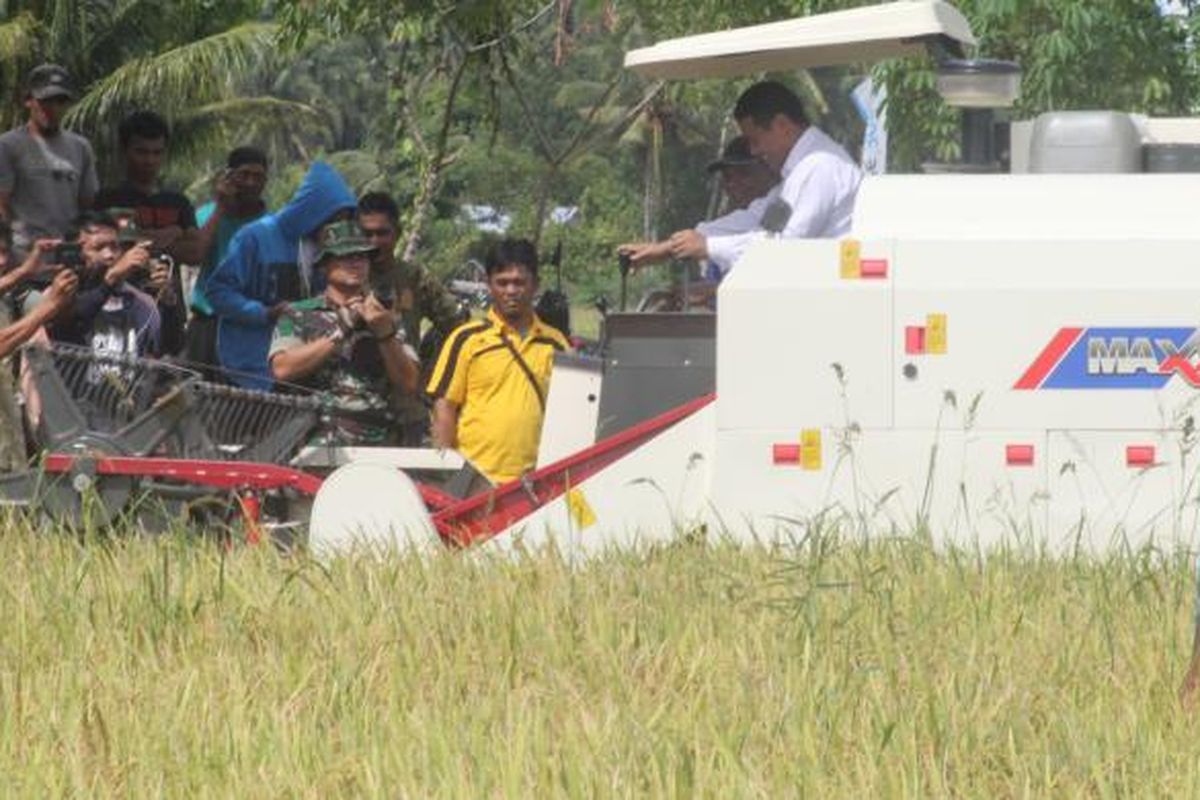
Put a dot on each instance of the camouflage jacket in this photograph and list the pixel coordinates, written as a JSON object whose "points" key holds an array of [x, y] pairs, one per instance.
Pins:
{"points": [[415, 295], [354, 376]]}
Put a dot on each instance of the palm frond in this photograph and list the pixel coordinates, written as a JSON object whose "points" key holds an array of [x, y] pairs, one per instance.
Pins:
{"points": [[129, 19], [20, 48], [19, 39], [253, 118], [184, 77], [277, 125], [239, 109], [61, 27]]}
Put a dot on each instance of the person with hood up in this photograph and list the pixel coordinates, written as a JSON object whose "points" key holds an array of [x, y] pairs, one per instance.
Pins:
{"points": [[269, 264]]}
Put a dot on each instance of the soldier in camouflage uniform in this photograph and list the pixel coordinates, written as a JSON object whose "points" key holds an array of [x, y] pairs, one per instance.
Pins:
{"points": [[347, 343], [410, 291]]}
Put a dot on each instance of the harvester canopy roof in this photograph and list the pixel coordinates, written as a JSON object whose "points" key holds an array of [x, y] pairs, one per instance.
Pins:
{"points": [[858, 35]]}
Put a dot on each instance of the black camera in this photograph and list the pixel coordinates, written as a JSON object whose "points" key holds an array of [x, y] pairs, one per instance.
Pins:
{"points": [[69, 255], [385, 293]]}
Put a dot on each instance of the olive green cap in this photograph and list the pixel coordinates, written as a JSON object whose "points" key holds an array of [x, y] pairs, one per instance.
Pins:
{"points": [[343, 239]]}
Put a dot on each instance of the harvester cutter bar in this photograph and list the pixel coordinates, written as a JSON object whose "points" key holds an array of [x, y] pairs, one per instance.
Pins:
{"points": [[229, 475], [203, 472]]}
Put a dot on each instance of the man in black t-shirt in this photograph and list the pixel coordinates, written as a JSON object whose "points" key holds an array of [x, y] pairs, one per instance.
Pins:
{"points": [[164, 218]]}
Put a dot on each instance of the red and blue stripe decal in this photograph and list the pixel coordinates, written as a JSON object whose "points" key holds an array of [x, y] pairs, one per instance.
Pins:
{"points": [[1050, 358], [1114, 358]]}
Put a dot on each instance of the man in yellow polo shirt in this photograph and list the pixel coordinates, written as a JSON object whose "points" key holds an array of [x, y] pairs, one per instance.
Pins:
{"points": [[493, 375]]}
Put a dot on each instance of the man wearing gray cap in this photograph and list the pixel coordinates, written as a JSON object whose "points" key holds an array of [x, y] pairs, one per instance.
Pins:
{"points": [[47, 174], [744, 178]]}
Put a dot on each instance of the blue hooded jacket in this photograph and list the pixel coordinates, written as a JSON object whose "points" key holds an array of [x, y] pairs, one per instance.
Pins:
{"points": [[261, 269]]}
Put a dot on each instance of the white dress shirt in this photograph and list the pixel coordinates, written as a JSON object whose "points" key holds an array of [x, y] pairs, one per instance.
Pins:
{"points": [[819, 182]]}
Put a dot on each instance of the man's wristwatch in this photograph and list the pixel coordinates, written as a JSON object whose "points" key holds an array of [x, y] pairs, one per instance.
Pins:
{"points": [[383, 337]]}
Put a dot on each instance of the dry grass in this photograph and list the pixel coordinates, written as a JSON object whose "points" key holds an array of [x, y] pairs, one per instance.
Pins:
{"points": [[169, 667]]}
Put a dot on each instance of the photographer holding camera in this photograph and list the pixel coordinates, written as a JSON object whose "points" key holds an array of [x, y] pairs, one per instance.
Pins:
{"points": [[158, 277], [109, 313], [346, 342], [56, 298]]}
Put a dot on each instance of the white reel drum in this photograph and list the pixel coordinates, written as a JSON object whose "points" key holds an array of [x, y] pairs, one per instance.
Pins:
{"points": [[369, 509]]}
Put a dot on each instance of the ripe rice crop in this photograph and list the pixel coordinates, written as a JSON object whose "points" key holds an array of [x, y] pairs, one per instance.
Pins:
{"points": [[172, 667]]}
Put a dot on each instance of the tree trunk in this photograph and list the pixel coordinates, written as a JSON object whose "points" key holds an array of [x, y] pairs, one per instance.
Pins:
{"points": [[543, 202], [652, 181], [435, 162]]}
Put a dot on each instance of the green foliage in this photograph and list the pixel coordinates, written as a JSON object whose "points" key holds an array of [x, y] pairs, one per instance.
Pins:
{"points": [[212, 67], [543, 114], [126, 54], [177, 81]]}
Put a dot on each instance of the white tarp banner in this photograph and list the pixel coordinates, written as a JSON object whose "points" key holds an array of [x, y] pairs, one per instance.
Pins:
{"points": [[869, 101]]}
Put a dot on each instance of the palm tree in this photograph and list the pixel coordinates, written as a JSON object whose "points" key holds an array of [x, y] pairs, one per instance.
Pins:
{"points": [[190, 60]]}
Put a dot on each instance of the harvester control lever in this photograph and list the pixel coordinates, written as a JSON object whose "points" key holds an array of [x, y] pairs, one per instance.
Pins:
{"points": [[776, 217], [626, 264]]}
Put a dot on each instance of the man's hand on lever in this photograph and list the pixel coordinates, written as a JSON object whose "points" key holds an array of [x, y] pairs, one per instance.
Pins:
{"points": [[689, 244], [641, 253]]}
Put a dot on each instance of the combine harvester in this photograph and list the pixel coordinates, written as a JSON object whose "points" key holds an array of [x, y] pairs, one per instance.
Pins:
{"points": [[991, 357], [996, 357]]}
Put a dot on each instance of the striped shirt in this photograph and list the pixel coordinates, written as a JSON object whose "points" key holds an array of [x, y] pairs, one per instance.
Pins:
{"points": [[499, 380]]}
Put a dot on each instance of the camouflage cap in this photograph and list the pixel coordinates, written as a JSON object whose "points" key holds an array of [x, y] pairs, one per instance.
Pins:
{"points": [[343, 239]]}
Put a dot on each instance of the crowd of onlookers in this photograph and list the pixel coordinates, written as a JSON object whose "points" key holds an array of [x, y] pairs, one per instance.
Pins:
{"points": [[307, 296], [312, 296]]}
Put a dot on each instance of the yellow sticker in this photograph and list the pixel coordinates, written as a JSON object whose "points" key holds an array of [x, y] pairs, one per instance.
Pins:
{"points": [[935, 334], [851, 261], [810, 449], [580, 510]]}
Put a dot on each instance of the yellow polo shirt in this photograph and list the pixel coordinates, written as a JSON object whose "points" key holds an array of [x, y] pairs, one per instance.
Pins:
{"points": [[500, 413]]}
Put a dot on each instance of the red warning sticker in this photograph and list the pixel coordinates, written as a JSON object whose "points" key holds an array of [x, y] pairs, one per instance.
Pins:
{"points": [[873, 268]]}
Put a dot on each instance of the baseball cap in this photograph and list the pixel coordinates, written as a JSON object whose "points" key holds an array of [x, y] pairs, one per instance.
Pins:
{"points": [[49, 80], [343, 239], [736, 154]]}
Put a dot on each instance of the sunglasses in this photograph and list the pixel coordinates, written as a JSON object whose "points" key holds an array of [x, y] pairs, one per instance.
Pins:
{"points": [[376, 233]]}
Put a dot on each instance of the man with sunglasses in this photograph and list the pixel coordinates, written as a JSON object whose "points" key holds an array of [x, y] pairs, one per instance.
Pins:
{"points": [[411, 293], [47, 174]]}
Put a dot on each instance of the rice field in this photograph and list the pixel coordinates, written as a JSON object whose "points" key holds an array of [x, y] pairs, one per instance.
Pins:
{"points": [[174, 667]]}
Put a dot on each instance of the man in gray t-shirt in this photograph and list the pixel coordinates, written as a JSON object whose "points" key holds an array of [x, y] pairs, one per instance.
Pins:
{"points": [[47, 174]]}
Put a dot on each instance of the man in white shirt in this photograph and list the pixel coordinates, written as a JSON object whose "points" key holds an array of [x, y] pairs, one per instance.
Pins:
{"points": [[819, 183]]}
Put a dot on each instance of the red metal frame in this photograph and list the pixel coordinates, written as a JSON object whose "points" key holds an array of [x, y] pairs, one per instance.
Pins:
{"points": [[217, 474], [482, 516], [435, 499]]}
